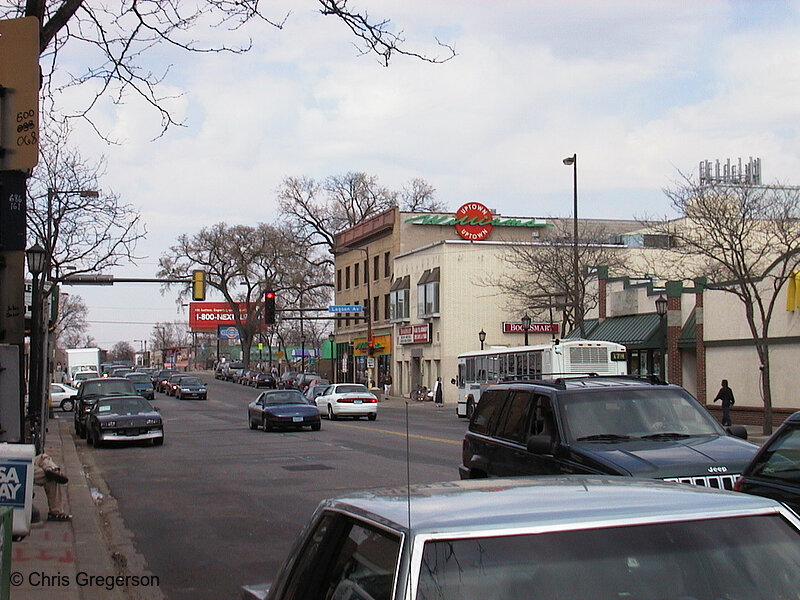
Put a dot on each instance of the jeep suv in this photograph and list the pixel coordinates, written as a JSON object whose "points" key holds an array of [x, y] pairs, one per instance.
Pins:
{"points": [[601, 425]]}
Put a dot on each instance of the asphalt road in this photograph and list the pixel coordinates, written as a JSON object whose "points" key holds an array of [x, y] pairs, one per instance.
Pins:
{"points": [[218, 505]]}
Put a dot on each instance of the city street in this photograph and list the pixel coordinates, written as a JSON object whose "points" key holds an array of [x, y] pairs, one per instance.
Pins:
{"points": [[219, 505]]}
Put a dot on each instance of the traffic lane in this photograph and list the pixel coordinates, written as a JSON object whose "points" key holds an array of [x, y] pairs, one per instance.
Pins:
{"points": [[219, 504]]}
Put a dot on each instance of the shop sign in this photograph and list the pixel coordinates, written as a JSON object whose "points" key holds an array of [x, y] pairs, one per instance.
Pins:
{"points": [[207, 316], [473, 221], [414, 334], [509, 327], [227, 332]]}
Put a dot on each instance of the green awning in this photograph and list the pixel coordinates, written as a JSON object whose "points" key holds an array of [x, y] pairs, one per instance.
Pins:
{"points": [[689, 332], [633, 331]]}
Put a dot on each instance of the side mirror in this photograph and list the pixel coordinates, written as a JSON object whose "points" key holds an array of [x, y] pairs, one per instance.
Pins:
{"points": [[739, 431], [540, 444], [155, 408]]}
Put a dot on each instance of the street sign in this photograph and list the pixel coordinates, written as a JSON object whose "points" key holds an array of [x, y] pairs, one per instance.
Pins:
{"points": [[345, 308]]}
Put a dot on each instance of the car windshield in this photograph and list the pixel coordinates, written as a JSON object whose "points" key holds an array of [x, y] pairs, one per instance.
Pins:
{"points": [[754, 557], [138, 378], [284, 397], [86, 375], [190, 381], [123, 406], [781, 460], [349, 389], [651, 413], [107, 387]]}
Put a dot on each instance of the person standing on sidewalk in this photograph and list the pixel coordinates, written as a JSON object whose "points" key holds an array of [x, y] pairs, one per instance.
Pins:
{"points": [[387, 384], [438, 398], [48, 474], [725, 394]]}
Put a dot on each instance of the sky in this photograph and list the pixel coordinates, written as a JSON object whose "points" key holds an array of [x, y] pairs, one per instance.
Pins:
{"points": [[641, 91]]}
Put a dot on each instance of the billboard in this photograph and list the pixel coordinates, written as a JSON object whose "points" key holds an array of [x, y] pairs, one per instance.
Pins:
{"points": [[207, 316]]}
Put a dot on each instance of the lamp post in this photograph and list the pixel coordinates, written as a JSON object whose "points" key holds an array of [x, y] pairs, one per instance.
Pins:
{"points": [[367, 308], [573, 162], [661, 310], [36, 258], [482, 337], [526, 325]]}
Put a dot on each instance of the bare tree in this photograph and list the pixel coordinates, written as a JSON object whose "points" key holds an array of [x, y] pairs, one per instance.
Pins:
{"points": [[117, 35], [242, 262], [168, 335], [122, 351], [746, 240], [71, 326], [540, 275], [82, 228], [319, 210]]}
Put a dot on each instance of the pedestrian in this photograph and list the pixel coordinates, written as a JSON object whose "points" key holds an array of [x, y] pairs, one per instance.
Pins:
{"points": [[725, 394], [387, 384], [47, 474], [437, 393]]}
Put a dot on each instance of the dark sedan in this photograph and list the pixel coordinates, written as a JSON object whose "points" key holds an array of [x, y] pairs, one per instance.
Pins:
{"points": [[266, 380], [124, 419], [191, 387], [282, 409], [774, 472], [142, 384]]}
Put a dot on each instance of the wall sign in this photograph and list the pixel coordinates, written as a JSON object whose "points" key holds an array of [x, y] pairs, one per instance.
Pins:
{"points": [[509, 327], [473, 221], [415, 334]]}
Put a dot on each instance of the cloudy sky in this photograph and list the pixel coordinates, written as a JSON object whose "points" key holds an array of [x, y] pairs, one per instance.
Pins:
{"points": [[640, 90]]}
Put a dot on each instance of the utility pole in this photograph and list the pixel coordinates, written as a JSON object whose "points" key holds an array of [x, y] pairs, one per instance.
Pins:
{"points": [[19, 153]]}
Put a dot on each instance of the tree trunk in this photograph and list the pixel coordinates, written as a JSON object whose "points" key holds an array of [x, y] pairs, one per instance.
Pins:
{"points": [[766, 389], [247, 343]]}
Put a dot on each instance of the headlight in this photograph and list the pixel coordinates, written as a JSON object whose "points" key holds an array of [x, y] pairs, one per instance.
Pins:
{"points": [[153, 422], [108, 424]]}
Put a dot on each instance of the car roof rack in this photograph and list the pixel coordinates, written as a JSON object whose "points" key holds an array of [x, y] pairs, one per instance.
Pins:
{"points": [[587, 379]]}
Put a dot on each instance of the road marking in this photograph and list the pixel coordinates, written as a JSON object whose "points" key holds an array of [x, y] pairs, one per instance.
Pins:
{"points": [[403, 434]]}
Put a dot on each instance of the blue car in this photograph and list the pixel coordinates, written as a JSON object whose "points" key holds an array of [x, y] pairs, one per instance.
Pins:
{"points": [[282, 409]]}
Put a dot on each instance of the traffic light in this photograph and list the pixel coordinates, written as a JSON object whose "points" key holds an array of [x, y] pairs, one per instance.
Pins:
{"points": [[269, 308], [198, 285], [371, 347]]}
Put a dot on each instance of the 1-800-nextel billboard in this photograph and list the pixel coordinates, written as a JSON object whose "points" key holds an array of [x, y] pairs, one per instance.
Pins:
{"points": [[205, 316]]}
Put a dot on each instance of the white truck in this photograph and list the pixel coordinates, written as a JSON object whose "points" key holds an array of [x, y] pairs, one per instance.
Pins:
{"points": [[82, 360]]}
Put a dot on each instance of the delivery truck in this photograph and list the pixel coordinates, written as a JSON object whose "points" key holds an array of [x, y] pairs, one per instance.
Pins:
{"points": [[82, 360]]}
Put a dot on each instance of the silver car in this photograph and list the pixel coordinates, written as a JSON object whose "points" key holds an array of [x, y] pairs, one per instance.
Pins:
{"points": [[561, 538]]}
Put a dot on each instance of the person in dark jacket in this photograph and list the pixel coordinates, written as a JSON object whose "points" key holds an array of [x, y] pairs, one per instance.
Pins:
{"points": [[725, 394]]}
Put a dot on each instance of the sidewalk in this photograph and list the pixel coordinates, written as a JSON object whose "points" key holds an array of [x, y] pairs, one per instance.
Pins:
{"points": [[90, 557]]}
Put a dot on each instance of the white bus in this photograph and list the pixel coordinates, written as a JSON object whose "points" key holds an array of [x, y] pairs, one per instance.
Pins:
{"points": [[559, 358]]}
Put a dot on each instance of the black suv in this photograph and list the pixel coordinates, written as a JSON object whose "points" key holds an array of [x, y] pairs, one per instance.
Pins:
{"points": [[626, 426], [91, 391]]}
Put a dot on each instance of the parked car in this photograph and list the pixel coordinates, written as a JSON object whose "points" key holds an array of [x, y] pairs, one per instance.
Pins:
{"points": [[557, 538], [303, 380], [774, 472], [82, 376], [601, 425], [347, 400], [93, 390], [142, 385], [264, 380], [161, 378], [287, 379], [232, 370], [246, 376], [124, 419], [275, 409], [190, 387], [61, 396], [316, 389], [219, 371]]}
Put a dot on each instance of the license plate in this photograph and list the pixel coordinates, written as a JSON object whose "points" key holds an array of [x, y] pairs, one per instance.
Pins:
{"points": [[356, 401], [297, 419]]}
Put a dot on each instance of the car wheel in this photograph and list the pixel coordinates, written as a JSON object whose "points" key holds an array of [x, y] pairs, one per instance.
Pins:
{"points": [[178, 396], [266, 425], [253, 424], [372, 416], [470, 408], [316, 427], [331, 415], [89, 440], [158, 441], [67, 405]]}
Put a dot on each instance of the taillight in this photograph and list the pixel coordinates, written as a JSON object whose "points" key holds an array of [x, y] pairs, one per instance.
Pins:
{"points": [[345, 400]]}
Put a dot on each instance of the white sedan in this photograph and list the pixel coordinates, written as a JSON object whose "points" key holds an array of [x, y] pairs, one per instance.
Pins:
{"points": [[347, 400], [60, 394]]}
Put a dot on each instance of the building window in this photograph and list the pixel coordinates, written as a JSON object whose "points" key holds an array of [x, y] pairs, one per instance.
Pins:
{"points": [[387, 265], [347, 278], [355, 274], [366, 271], [428, 294], [387, 306], [399, 295], [375, 265], [347, 318], [338, 280], [376, 305]]}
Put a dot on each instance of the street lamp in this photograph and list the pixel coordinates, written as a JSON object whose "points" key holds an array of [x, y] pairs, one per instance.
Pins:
{"points": [[482, 337], [35, 257], [661, 310], [526, 325], [367, 308], [573, 162]]}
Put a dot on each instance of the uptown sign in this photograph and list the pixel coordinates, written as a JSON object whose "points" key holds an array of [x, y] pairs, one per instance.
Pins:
{"points": [[474, 222]]}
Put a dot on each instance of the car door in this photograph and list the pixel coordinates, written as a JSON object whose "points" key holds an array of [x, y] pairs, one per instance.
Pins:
{"points": [[257, 410], [508, 455], [321, 401]]}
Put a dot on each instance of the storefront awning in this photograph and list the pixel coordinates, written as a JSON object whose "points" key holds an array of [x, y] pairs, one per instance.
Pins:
{"points": [[633, 331]]}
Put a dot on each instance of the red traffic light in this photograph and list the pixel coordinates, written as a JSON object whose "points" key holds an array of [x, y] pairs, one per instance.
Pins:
{"points": [[270, 295], [269, 308]]}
